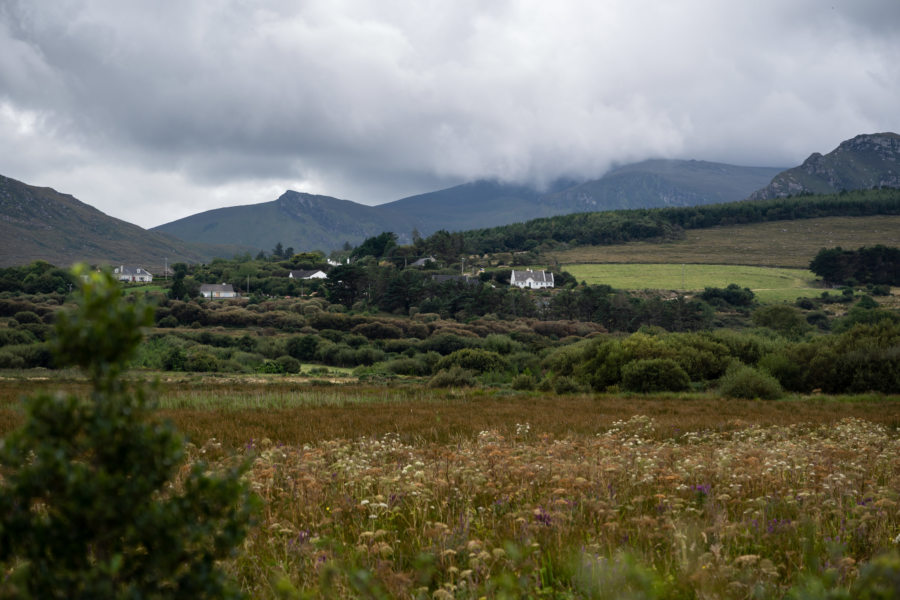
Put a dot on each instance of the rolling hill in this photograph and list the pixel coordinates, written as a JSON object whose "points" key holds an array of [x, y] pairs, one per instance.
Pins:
{"points": [[39, 223], [297, 220]]}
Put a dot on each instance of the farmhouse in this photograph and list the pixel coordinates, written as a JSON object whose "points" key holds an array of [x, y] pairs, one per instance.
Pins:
{"points": [[217, 290], [534, 280], [422, 262], [308, 274], [125, 273]]}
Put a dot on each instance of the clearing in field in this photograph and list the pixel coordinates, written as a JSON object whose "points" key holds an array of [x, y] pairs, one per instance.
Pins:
{"points": [[770, 285]]}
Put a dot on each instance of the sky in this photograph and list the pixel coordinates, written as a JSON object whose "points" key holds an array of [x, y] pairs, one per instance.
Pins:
{"points": [[154, 110]]}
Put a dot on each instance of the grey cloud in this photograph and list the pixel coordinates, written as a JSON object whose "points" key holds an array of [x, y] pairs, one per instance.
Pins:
{"points": [[370, 100]]}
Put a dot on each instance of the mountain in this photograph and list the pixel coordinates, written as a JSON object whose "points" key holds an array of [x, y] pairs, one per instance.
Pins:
{"points": [[307, 222], [300, 221], [864, 162], [658, 183], [482, 203], [38, 223]]}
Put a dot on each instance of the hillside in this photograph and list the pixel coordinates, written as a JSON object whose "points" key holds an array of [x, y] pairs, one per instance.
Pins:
{"points": [[299, 221], [306, 222], [864, 162], [659, 183], [39, 223], [773, 244]]}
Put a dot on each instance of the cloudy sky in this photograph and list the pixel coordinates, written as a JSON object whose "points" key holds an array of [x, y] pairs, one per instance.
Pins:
{"points": [[154, 110]]}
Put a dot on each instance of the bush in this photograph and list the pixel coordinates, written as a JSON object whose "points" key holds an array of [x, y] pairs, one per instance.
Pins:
{"points": [[168, 321], [302, 347], [567, 385], [654, 375], [523, 381], [473, 359], [27, 316], [111, 523], [747, 382], [452, 377], [289, 364]]}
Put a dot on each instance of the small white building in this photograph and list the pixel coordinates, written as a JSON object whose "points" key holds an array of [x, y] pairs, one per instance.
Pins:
{"points": [[132, 274], [308, 274], [217, 290], [534, 280]]}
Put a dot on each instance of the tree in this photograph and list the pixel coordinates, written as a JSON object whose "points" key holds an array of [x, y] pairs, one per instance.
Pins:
{"points": [[278, 251], [90, 506]]}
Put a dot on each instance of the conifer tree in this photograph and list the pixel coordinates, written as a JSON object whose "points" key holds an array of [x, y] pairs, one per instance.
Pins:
{"points": [[90, 505]]}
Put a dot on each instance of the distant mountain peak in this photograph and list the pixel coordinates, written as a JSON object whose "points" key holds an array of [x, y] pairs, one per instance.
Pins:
{"points": [[866, 161]]}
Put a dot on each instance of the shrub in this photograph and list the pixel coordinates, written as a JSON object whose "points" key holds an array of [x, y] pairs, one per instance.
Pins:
{"points": [[523, 381], [452, 377], [567, 385], [102, 470], [786, 320], [200, 361], [654, 375], [473, 359], [27, 316], [302, 347], [289, 364], [168, 321], [747, 382]]}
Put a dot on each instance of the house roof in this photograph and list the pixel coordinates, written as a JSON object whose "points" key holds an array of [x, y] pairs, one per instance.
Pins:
{"points": [[304, 273], [216, 287], [422, 261], [537, 276], [129, 270]]}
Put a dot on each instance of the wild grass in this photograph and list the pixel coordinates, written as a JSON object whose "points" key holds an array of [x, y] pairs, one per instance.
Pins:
{"points": [[631, 511], [776, 244], [769, 284], [409, 492]]}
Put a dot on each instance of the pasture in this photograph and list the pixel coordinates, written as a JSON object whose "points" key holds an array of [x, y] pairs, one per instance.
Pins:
{"points": [[769, 284], [790, 244], [406, 492]]}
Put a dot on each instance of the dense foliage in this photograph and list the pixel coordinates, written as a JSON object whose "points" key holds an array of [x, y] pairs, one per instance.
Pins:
{"points": [[615, 227], [876, 265], [94, 502]]}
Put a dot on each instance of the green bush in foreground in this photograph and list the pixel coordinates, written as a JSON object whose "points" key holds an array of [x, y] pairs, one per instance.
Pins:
{"points": [[747, 382], [90, 505], [655, 375]]}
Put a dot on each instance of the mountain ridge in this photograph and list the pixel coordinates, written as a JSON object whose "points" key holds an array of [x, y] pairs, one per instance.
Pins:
{"points": [[862, 162], [472, 205]]}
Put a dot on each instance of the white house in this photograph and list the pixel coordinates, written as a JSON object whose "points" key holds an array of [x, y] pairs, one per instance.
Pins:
{"points": [[125, 273], [308, 274], [534, 280], [217, 290], [422, 262]]}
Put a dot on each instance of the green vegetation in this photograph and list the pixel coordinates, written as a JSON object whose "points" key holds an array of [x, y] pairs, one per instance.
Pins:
{"points": [[606, 228], [790, 244], [765, 283], [92, 502]]}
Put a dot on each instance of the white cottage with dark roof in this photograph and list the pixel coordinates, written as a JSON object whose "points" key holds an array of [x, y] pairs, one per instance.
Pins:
{"points": [[534, 280], [126, 273]]}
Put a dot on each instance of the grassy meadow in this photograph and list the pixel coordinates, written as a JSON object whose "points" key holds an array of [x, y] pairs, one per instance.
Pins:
{"points": [[401, 491], [791, 244], [769, 284]]}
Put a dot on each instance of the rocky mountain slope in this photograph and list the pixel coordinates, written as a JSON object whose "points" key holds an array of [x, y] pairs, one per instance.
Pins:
{"points": [[864, 162]]}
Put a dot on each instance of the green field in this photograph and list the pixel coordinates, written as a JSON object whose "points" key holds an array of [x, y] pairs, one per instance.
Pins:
{"points": [[769, 284]]}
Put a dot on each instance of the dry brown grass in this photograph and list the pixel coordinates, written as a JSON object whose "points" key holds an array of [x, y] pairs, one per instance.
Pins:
{"points": [[776, 244], [236, 412]]}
